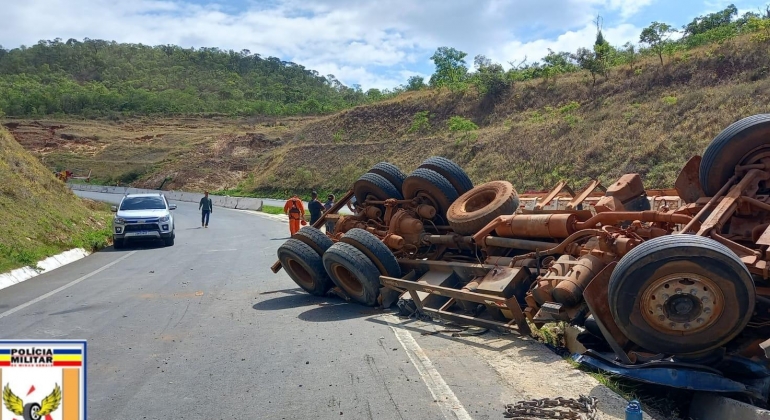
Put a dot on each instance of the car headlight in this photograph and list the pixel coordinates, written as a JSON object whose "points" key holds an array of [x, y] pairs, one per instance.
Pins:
{"points": [[119, 221], [165, 219]]}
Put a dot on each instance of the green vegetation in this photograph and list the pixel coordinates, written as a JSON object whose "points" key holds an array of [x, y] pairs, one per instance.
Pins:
{"points": [[102, 78], [41, 216], [272, 209], [465, 127], [420, 122]]}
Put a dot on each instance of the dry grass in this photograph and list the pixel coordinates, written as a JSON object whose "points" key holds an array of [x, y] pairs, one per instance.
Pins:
{"points": [[40, 215], [648, 120]]}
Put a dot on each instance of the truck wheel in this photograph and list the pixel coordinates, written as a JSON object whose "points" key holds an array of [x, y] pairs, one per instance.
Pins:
{"points": [[740, 143], [31, 411], [376, 186], [375, 249], [430, 184], [681, 294], [314, 238], [479, 206], [451, 171], [353, 272], [389, 172], [304, 266], [118, 243]]}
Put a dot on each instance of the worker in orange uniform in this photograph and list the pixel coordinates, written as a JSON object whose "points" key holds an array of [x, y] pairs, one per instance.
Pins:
{"points": [[296, 212]]}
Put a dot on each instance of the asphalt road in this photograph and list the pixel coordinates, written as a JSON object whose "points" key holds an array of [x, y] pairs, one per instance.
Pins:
{"points": [[204, 329]]}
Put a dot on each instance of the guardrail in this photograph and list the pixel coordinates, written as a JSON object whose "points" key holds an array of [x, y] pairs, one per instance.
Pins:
{"points": [[242, 203]]}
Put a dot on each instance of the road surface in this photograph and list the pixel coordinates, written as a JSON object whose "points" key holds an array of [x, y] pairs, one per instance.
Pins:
{"points": [[204, 330]]}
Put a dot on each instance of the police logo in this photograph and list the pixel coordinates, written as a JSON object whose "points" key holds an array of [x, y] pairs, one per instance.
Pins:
{"points": [[33, 410]]}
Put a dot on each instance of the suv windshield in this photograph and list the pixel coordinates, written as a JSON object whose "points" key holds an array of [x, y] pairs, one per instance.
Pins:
{"points": [[143, 203]]}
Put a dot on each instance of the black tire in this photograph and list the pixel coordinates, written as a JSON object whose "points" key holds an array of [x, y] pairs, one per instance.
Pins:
{"points": [[479, 206], [451, 171], [314, 238], [305, 266], [692, 262], [432, 184], [31, 412], [118, 243], [375, 249], [376, 186], [352, 271], [168, 241], [390, 172], [729, 149]]}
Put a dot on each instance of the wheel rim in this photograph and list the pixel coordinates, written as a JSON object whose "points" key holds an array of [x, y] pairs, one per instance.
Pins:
{"points": [[301, 275], [480, 200], [682, 303], [349, 281]]}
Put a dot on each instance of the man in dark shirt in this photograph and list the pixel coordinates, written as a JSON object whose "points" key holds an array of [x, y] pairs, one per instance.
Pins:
{"points": [[315, 207]]}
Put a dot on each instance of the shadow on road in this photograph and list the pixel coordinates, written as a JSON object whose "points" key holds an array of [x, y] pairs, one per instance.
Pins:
{"points": [[336, 311], [287, 302], [496, 341], [132, 246], [280, 239]]}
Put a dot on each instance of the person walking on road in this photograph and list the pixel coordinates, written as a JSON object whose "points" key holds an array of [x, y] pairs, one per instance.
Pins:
{"points": [[315, 207], [327, 206], [296, 212], [206, 207]]}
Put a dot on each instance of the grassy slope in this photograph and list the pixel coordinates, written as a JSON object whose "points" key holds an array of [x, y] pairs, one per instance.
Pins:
{"points": [[40, 215], [649, 120]]}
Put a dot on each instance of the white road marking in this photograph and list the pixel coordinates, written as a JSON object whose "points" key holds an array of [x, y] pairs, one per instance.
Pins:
{"points": [[446, 399], [66, 286]]}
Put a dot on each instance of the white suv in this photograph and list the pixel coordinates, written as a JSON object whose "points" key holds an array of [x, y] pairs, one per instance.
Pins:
{"points": [[143, 216]]}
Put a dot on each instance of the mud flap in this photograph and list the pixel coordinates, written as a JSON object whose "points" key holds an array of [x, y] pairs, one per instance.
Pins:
{"points": [[688, 183]]}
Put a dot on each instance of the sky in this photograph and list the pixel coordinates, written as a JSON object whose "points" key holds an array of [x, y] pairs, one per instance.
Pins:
{"points": [[375, 44]]}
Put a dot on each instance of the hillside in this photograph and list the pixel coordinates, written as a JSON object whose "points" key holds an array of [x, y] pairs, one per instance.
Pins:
{"points": [[41, 216], [647, 118], [102, 78]]}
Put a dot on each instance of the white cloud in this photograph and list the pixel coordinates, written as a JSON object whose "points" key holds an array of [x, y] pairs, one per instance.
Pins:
{"points": [[374, 43], [516, 51]]}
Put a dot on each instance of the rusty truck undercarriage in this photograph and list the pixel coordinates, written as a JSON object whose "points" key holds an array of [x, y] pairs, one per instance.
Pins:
{"points": [[669, 287]]}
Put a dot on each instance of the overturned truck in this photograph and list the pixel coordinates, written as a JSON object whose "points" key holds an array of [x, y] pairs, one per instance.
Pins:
{"points": [[668, 287]]}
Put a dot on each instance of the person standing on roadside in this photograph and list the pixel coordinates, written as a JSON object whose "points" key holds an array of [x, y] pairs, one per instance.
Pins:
{"points": [[327, 206], [206, 207], [315, 207], [296, 212]]}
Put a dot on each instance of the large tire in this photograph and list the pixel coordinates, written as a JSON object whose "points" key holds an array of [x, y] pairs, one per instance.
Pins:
{"points": [[432, 184], [479, 206], [389, 172], [376, 186], [314, 238], [305, 266], [730, 148], [451, 171], [375, 249], [681, 294], [353, 272]]}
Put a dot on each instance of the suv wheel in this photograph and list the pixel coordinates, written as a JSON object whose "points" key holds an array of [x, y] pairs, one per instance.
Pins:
{"points": [[169, 241], [117, 243]]}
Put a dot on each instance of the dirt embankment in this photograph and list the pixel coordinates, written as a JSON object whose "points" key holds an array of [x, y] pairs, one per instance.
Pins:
{"points": [[41, 216], [647, 119]]}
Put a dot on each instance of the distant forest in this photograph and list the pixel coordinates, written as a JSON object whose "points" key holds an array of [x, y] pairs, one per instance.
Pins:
{"points": [[100, 78]]}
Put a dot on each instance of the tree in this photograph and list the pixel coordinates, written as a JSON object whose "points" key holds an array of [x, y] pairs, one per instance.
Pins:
{"points": [[415, 83], [450, 67], [587, 60], [489, 76], [629, 54], [657, 36], [710, 21]]}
